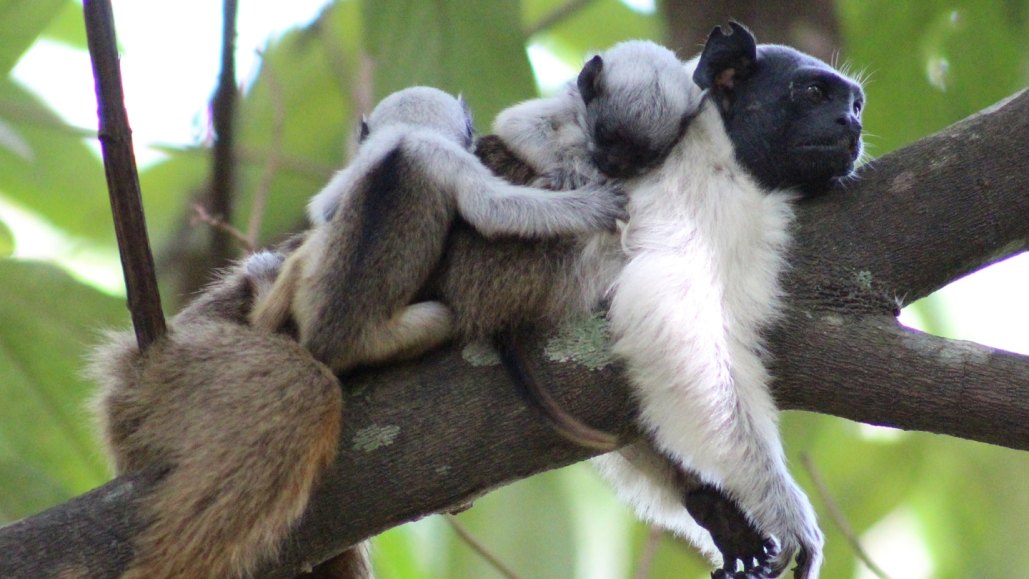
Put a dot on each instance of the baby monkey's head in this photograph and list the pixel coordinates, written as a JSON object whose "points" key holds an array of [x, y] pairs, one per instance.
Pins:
{"points": [[638, 101], [423, 107]]}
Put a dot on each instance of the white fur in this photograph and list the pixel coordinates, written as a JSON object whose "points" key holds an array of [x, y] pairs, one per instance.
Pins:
{"points": [[643, 478], [705, 248]]}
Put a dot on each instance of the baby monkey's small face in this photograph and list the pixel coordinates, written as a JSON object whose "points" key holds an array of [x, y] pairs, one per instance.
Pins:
{"points": [[638, 101]]}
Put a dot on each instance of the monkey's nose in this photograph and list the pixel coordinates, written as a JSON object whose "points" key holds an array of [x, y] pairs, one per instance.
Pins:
{"points": [[849, 120]]}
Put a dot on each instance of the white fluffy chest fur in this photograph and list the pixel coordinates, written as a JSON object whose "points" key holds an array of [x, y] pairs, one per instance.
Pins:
{"points": [[705, 247], [702, 207]]}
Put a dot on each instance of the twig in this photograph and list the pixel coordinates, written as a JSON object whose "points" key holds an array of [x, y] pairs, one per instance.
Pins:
{"points": [[122, 178], [479, 548], [838, 516], [556, 16], [223, 171], [248, 156], [201, 215], [647, 557], [271, 165]]}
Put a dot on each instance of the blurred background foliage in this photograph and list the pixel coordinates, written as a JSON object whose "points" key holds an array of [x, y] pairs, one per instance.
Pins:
{"points": [[923, 505]]}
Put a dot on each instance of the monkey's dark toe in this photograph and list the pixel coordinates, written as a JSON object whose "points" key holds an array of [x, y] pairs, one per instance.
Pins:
{"points": [[746, 553], [750, 574]]}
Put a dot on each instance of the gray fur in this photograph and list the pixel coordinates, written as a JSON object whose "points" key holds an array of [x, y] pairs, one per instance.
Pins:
{"points": [[639, 103], [382, 228]]}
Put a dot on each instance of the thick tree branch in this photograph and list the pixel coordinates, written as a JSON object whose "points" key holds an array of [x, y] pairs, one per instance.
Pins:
{"points": [[122, 178], [871, 369], [432, 436], [924, 215]]}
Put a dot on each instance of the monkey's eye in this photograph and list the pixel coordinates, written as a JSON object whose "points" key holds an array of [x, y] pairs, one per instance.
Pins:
{"points": [[816, 91]]}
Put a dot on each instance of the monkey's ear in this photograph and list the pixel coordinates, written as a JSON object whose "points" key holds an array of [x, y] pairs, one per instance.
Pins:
{"points": [[469, 122], [364, 130], [726, 58], [464, 107], [589, 79]]}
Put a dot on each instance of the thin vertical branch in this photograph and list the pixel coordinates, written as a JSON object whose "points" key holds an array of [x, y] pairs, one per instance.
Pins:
{"points": [[649, 551], [479, 548], [122, 178], [223, 176], [838, 517], [271, 165]]}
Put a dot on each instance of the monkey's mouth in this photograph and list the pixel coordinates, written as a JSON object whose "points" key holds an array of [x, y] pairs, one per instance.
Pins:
{"points": [[849, 144]]}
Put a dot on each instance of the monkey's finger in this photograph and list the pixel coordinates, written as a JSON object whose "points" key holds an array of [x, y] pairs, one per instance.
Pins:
{"points": [[803, 568]]}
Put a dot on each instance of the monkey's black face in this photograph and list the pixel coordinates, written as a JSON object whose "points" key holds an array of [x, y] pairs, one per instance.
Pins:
{"points": [[619, 154], [626, 143], [795, 121]]}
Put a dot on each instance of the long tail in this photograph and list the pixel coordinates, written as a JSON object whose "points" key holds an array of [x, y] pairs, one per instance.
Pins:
{"points": [[513, 358]]}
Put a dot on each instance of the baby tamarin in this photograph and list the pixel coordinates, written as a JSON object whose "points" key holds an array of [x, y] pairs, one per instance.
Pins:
{"points": [[417, 229], [383, 223], [242, 422]]}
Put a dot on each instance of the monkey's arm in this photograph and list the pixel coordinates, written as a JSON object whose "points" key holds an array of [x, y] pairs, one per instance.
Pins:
{"points": [[669, 325], [495, 207]]}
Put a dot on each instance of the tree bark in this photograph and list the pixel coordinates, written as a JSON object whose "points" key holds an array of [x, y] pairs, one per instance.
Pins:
{"points": [[808, 25], [432, 436]]}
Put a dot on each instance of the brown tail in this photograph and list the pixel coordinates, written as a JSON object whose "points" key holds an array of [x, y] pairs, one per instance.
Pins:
{"points": [[563, 422]]}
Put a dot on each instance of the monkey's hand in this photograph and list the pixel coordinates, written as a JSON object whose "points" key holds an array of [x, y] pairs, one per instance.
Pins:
{"points": [[795, 527], [607, 202], [746, 553], [263, 267], [530, 212], [563, 179]]}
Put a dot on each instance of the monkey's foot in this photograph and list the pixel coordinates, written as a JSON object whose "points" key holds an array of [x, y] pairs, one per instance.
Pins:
{"points": [[757, 567], [746, 553]]}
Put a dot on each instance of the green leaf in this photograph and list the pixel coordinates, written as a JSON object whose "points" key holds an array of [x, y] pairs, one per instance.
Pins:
{"points": [[47, 448], [21, 21], [524, 507], [6, 240], [972, 502], [301, 87], [12, 142], [166, 187], [404, 552], [932, 63], [460, 46], [596, 27], [69, 27], [55, 174]]}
